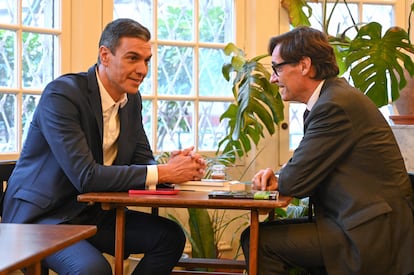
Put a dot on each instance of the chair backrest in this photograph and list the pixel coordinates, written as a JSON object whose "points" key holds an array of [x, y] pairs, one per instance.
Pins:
{"points": [[6, 169], [411, 174]]}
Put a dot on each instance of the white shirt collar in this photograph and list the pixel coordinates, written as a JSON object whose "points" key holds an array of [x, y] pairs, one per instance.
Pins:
{"points": [[107, 101], [312, 100]]}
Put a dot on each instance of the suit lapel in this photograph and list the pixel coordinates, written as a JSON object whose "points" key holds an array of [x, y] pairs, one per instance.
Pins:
{"points": [[94, 99], [124, 132]]}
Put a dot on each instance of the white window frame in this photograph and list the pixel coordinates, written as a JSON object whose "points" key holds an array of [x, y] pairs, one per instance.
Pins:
{"points": [[60, 65]]}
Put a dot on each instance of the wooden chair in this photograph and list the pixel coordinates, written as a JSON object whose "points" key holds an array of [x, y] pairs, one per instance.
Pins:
{"points": [[411, 175], [6, 169]]}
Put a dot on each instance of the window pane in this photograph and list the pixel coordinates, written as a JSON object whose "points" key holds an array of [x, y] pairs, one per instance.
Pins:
{"points": [[175, 70], [175, 125], [8, 54], [38, 13], [379, 13], [147, 119], [8, 11], [210, 129], [8, 134], [212, 82], [184, 67], [29, 105], [216, 22], [146, 86], [139, 10], [29, 49], [340, 19], [38, 62], [296, 124], [175, 20]]}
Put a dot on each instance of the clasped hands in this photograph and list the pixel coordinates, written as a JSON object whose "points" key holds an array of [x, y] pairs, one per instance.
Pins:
{"points": [[186, 165]]}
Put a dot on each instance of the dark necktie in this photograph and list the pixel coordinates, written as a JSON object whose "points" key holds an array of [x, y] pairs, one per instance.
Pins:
{"points": [[310, 208], [305, 115]]}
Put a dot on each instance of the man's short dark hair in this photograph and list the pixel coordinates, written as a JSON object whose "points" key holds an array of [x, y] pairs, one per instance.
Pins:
{"points": [[307, 42], [123, 27]]}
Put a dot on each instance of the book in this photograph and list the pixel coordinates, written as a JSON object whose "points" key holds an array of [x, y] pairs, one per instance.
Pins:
{"points": [[210, 185], [153, 192]]}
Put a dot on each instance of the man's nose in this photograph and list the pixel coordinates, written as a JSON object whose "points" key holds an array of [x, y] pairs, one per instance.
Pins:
{"points": [[141, 68], [274, 78]]}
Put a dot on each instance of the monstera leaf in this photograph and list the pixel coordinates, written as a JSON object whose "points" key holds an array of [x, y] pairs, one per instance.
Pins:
{"points": [[296, 12], [376, 60], [258, 102], [375, 63]]}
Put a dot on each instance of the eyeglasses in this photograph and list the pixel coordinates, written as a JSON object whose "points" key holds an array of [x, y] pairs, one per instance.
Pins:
{"points": [[277, 68]]}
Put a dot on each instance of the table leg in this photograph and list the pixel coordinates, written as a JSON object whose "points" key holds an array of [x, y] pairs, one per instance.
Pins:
{"points": [[254, 241], [34, 269], [119, 240]]}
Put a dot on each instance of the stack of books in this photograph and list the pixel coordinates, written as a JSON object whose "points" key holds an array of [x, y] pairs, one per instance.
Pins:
{"points": [[209, 185]]}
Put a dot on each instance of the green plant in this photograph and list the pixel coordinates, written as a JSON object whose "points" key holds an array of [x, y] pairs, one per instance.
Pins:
{"points": [[257, 105], [375, 62], [206, 228]]}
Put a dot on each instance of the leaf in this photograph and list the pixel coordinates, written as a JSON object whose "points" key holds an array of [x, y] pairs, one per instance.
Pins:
{"points": [[226, 70], [202, 234], [258, 104], [376, 62], [231, 48], [295, 9]]}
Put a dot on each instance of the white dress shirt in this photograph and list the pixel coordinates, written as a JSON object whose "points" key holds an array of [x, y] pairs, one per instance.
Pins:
{"points": [[111, 130]]}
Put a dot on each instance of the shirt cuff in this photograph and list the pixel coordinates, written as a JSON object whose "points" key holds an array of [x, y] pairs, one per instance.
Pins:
{"points": [[152, 177]]}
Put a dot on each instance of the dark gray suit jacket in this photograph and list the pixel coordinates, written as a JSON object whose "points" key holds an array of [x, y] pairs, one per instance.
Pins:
{"points": [[63, 157], [350, 164]]}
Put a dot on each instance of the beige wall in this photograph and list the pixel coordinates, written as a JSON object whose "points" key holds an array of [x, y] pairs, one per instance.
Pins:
{"points": [[86, 23]]}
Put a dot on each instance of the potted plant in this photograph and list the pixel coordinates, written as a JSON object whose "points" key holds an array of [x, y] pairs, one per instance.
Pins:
{"points": [[377, 63]]}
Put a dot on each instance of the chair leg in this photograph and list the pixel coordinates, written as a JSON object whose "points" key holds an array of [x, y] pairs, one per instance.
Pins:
{"points": [[45, 271]]}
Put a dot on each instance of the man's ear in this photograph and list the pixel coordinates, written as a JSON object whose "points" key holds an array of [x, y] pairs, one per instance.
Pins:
{"points": [[306, 64], [104, 53]]}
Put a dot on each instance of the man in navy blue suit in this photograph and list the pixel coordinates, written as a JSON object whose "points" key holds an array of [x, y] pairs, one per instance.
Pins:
{"points": [[87, 136]]}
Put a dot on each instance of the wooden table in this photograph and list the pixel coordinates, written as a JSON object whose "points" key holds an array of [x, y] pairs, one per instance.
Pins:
{"points": [[184, 199], [26, 245]]}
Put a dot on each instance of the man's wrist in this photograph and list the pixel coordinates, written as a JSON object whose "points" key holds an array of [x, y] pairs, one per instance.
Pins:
{"points": [[152, 177]]}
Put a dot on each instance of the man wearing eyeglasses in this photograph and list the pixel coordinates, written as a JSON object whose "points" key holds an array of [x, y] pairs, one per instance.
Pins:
{"points": [[348, 163]]}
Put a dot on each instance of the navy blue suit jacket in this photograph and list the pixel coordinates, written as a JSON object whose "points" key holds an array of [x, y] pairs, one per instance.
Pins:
{"points": [[63, 157], [350, 164]]}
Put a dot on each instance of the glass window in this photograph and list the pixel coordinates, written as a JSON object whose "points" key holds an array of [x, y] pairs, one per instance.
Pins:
{"points": [[29, 45], [361, 12], [185, 88]]}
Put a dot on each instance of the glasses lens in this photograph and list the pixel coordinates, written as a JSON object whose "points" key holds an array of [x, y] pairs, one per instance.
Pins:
{"points": [[277, 67], [274, 67]]}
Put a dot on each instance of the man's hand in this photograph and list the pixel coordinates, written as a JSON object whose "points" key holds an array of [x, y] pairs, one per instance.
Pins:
{"points": [[265, 180], [190, 152], [184, 165]]}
